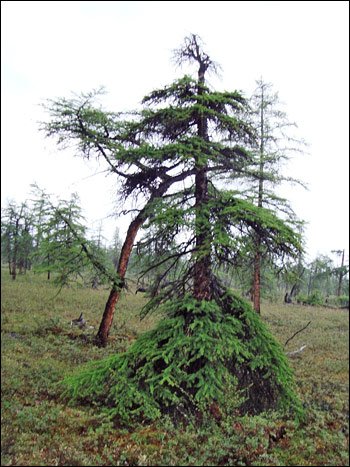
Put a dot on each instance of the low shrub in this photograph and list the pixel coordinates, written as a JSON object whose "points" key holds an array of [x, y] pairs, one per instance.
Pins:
{"points": [[314, 299], [341, 301]]}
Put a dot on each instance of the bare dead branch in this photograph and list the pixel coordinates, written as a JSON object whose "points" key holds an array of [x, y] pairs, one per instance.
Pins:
{"points": [[302, 329]]}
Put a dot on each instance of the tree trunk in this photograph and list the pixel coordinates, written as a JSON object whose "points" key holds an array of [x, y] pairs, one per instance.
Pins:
{"points": [[202, 269], [107, 319], [48, 265], [14, 267], [15, 245], [256, 303], [310, 280], [341, 274], [9, 256], [21, 264], [257, 282]]}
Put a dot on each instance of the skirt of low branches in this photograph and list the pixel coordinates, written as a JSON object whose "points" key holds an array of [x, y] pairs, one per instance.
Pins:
{"points": [[203, 355]]}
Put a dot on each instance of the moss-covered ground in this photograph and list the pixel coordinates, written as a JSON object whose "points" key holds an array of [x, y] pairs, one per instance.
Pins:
{"points": [[39, 348]]}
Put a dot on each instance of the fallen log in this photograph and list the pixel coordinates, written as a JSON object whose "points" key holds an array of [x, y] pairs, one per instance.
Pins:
{"points": [[295, 352]]}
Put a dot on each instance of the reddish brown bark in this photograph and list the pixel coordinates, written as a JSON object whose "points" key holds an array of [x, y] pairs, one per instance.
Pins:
{"points": [[107, 319]]}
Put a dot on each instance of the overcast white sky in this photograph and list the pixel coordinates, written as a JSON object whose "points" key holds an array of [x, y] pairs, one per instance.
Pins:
{"points": [[51, 49]]}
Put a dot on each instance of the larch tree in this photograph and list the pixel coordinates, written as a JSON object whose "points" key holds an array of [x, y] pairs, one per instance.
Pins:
{"points": [[340, 271], [274, 145], [211, 344], [59, 249], [16, 237]]}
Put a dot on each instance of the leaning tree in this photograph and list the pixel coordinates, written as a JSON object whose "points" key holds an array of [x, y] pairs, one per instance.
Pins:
{"points": [[176, 153], [113, 137]]}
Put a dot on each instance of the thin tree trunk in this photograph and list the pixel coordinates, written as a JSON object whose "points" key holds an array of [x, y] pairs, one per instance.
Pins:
{"points": [[119, 281], [341, 274], [14, 266], [15, 245], [107, 319], [309, 283], [310, 280], [48, 267], [256, 302], [9, 255], [257, 282], [21, 263]]}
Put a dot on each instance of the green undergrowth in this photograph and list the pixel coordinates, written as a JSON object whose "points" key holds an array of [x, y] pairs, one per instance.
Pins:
{"points": [[39, 349]]}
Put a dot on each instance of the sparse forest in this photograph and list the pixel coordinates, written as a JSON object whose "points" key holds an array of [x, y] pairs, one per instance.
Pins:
{"points": [[187, 325], [29, 231]]}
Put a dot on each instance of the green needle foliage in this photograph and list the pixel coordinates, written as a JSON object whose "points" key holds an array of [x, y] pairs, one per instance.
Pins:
{"points": [[58, 250], [182, 367]]}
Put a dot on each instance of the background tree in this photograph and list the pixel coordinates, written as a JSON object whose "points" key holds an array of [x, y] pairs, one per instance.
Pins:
{"points": [[341, 271], [99, 250], [17, 237], [320, 272], [59, 251], [114, 250], [274, 145]]}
